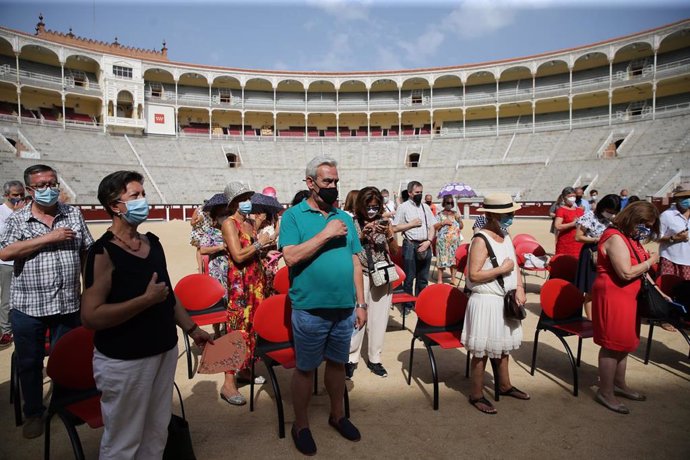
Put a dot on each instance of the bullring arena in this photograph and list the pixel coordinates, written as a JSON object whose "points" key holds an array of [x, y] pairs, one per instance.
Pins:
{"points": [[610, 115]]}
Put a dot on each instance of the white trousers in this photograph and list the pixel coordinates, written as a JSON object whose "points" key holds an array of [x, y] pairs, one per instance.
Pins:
{"points": [[136, 403], [379, 301]]}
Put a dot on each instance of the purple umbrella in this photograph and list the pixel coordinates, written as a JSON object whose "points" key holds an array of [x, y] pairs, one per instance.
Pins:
{"points": [[457, 189]]}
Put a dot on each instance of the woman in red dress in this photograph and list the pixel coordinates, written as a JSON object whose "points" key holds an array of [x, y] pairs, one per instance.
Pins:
{"points": [[565, 223], [614, 298]]}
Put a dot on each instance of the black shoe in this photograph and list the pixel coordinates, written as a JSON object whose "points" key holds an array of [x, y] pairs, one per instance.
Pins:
{"points": [[303, 441], [346, 429], [378, 369], [350, 370]]}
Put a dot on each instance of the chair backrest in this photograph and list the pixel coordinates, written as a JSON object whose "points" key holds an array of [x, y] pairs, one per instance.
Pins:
{"points": [[272, 319], [401, 277], [205, 259], [281, 282], [70, 364], [461, 256], [527, 247], [199, 291], [441, 305], [667, 283], [563, 266], [522, 237], [561, 299], [397, 258]]}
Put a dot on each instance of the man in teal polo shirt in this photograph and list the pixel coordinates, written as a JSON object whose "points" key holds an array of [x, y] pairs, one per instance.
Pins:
{"points": [[320, 247]]}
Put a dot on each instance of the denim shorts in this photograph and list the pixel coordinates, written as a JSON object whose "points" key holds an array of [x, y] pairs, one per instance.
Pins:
{"points": [[322, 334]]}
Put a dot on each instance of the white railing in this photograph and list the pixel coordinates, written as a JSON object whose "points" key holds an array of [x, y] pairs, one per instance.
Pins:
{"points": [[134, 122]]}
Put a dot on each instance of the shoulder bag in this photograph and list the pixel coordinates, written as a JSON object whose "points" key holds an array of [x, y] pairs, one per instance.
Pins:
{"points": [[511, 308], [179, 445], [650, 303], [382, 272]]}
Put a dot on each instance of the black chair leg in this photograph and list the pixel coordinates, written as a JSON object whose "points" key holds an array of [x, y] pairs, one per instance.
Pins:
{"points": [[316, 381], [409, 368], [434, 374], [346, 403], [405, 312], [15, 391], [73, 437], [494, 369], [12, 371], [251, 386], [649, 342], [534, 351], [188, 352], [572, 363], [579, 350], [467, 365], [277, 395]]}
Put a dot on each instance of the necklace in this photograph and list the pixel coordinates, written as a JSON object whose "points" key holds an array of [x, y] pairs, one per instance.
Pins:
{"points": [[138, 238]]}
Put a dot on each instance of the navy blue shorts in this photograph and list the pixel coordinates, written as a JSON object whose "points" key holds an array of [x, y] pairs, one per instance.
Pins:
{"points": [[322, 333]]}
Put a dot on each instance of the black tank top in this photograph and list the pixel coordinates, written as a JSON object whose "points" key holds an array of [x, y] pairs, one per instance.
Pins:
{"points": [[151, 332]]}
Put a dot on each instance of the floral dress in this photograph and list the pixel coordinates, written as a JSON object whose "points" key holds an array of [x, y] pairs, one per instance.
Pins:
{"points": [[448, 238], [246, 291], [218, 262]]}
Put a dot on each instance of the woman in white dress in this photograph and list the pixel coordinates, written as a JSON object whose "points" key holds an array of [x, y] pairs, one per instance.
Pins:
{"points": [[486, 333]]}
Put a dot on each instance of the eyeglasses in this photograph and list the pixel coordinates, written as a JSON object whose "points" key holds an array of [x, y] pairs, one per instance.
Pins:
{"points": [[44, 186], [373, 208]]}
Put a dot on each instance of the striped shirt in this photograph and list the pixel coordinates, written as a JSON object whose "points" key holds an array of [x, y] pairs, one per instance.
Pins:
{"points": [[407, 212], [48, 281]]}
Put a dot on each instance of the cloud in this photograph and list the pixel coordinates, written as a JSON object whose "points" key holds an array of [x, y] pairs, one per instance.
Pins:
{"points": [[345, 10]]}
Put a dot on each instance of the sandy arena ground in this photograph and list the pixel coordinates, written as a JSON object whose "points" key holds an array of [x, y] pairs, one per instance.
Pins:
{"points": [[397, 420]]}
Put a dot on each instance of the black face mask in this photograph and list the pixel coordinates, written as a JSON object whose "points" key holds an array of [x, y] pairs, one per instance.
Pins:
{"points": [[417, 199], [328, 195]]}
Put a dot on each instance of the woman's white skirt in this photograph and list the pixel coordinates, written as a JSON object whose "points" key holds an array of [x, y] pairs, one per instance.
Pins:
{"points": [[486, 332]]}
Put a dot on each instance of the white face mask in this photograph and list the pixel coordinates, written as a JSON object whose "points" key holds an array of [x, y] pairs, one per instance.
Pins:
{"points": [[571, 199], [594, 197], [608, 215], [385, 199]]}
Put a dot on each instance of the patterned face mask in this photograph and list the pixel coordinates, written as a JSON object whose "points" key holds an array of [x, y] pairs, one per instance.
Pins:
{"points": [[642, 232]]}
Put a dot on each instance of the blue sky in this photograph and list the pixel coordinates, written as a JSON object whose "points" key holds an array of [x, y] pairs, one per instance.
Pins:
{"points": [[343, 35]]}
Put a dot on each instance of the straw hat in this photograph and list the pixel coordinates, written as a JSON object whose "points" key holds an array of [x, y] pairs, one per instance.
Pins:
{"points": [[682, 191], [499, 203], [237, 191]]}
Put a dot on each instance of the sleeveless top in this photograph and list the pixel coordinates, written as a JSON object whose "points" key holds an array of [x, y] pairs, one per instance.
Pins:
{"points": [[502, 251], [152, 331]]}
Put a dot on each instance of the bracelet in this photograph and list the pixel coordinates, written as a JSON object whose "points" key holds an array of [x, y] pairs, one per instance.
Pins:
{"points": [[192, 329], [257, 246], [363, 306], [648, 265]]}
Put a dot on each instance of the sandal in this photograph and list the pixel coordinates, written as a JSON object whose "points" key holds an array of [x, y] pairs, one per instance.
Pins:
{"points": [[488, 407], [515, 393], [235, 400], [632, 395], [619, 408]]}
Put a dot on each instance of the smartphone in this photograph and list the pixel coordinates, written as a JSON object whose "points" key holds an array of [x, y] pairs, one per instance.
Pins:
{"points": [[383, 222]]}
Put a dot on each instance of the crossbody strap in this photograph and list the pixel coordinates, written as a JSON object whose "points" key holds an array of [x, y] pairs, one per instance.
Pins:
{"points": [[492, 258]]}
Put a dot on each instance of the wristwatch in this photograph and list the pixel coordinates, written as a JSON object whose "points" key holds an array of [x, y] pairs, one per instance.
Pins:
{"points": [[363, 306]]}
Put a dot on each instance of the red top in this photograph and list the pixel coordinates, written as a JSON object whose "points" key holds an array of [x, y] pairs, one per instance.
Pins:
{"points": [[565, 242], [614, 300]]}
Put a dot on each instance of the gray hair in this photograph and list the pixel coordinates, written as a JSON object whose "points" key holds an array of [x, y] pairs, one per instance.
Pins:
{"points": [[11, 184], [315, 162]]}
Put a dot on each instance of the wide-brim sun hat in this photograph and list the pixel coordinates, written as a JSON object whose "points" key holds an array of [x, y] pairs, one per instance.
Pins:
{"points": [[237, 191], [499, 203], [682, 191]]}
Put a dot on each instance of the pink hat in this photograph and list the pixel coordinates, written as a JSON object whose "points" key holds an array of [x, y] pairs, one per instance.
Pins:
{"points": [[269, 191]]}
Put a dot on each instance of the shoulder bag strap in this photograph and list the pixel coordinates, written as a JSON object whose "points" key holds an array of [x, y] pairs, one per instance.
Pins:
{"points": [[492, 258]]}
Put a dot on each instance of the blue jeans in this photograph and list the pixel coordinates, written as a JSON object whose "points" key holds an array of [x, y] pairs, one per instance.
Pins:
{"points": [[415, 269], [29, 345], [322, 334]]}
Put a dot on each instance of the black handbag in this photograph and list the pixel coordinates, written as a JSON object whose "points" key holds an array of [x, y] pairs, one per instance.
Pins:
{"points": [[179, 445], [511, 308], [650, 303]]}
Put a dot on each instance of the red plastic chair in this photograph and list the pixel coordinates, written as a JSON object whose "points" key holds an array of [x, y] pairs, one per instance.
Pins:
{"points": [[281, 282], [201, 295], [273, 328], [441, 315], [667, 284], [401, 297], [527, 247], [564, 267], [561, 313], [74, 398], [523, 237], [205, 259], [461, 259]]}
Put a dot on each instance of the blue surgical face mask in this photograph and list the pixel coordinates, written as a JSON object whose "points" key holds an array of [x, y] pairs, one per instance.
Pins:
{"points": [[137, 211], [506, 220], [245, 207], [47, 196], [642, 232], [16, 201], [685, 204]]}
